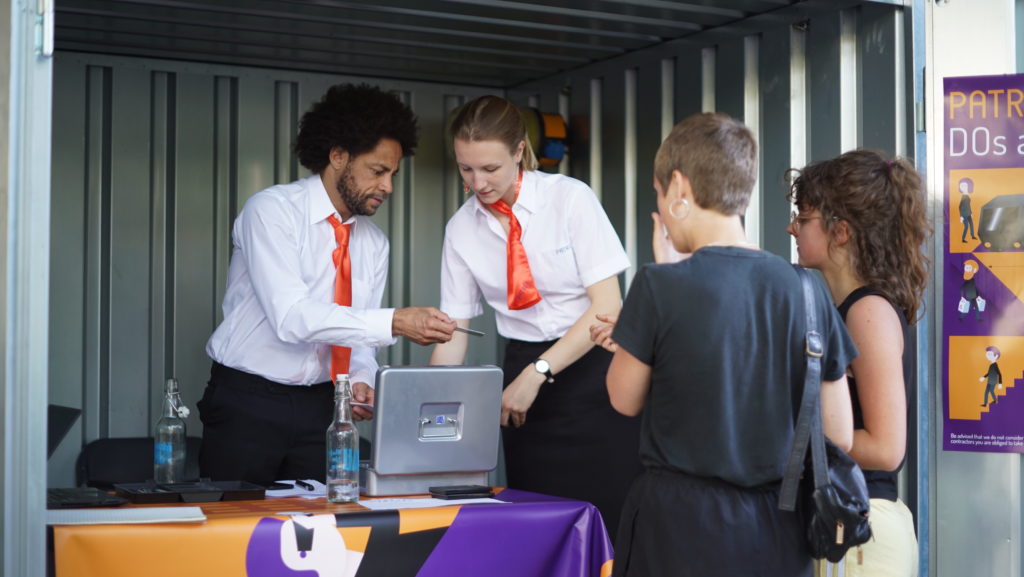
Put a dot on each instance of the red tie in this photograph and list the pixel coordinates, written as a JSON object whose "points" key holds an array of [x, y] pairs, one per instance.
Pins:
{"points": [[342, 290], [522, 293]]}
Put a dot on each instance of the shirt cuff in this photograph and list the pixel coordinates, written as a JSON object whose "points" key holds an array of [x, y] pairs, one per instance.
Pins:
{"points": [[362, 377], [379, 326]]}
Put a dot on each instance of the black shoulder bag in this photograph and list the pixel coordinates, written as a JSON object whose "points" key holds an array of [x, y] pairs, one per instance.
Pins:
{"points": [[836, 504]]}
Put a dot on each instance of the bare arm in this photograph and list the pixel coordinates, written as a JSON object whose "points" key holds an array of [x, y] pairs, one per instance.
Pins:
{"points": [[628, 381], [454, 351], [876, 330], [605, 298], [837, 413]]}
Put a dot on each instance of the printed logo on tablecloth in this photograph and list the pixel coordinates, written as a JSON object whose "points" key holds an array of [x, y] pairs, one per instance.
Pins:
{"points": [[329, 545], [303, 546]]}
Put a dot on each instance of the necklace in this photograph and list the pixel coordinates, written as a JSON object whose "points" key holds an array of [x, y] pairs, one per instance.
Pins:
{"points": [[740, 244]]}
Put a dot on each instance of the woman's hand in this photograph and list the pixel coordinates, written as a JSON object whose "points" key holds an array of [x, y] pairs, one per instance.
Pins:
{"points": [[661, 243], [519, 396], [601, 334]]}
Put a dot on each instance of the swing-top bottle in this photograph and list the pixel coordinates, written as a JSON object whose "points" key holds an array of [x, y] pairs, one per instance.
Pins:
{"points": [[342, 447]]}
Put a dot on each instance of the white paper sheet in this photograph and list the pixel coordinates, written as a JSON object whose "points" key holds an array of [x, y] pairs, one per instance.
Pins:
{"points": [[121, 515], [379, 504]]}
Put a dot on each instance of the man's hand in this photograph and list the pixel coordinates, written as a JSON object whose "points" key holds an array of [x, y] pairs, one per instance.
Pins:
{"points": [[601, 334], [422, 325], [362, 393]]}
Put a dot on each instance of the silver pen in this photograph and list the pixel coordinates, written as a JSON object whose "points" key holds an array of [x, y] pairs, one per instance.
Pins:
{"points": [[469, 332]]}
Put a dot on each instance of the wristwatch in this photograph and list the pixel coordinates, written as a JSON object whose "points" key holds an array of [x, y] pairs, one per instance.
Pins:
{"points": [[544, 368]]}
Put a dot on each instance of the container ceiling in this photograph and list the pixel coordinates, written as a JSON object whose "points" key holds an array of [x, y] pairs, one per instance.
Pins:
{"points": [[492, 43]]}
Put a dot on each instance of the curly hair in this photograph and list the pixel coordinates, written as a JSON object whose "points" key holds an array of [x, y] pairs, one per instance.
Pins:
{"points": [[882, 201], [354, 118]]}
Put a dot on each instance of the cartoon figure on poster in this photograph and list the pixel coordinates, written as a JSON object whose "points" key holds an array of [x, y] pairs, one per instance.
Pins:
{"points": [[966, 187], [969, 297], [982, 316], [993, 378]]}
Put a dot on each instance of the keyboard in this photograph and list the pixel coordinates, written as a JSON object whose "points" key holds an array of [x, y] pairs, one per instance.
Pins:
{"points": [[78, 497]]}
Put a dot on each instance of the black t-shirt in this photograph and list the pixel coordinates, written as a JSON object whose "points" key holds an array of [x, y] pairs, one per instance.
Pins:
{"points": [[723, 332], [881, 484]]}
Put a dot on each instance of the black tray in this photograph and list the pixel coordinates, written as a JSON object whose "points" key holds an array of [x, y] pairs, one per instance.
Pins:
{"points": [[201, 491]]}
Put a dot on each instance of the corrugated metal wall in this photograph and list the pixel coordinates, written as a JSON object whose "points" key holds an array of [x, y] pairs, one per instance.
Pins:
{"points": [[152, 160], [810, 91]]}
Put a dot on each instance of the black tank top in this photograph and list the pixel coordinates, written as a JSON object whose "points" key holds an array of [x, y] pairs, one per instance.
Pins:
{"points": [[881, 484]]}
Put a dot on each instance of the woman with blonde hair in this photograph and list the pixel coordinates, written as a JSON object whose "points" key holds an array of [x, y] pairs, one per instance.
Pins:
{"points": [[861, 221], [540, 250]]}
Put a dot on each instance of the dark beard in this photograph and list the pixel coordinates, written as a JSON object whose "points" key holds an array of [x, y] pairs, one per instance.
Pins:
{"points": [[356, 203]]}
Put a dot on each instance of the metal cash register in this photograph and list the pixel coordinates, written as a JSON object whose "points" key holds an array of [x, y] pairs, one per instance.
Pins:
{"points": [[436, 425]]}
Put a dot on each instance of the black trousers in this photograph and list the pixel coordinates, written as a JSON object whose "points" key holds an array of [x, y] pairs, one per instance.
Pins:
{"points": [[259, 431], [573, 444]]}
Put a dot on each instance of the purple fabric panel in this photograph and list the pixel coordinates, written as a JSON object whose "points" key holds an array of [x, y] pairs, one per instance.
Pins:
{"points": [[541, 535]]}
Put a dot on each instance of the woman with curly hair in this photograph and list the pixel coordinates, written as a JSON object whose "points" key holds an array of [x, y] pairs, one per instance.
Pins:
{"points": [[303, 301], [861, 221]]}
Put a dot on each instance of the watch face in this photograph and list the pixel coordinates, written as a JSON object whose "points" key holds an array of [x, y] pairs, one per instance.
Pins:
{"points": [[542, 366]]}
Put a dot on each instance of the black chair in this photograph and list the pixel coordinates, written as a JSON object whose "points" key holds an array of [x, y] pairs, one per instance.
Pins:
{"points": [[104, 462]]}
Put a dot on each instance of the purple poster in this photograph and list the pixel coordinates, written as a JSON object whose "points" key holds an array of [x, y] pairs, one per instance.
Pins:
{"points": [[983, 252]]}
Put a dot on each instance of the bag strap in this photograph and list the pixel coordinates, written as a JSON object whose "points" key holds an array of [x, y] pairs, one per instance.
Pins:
{"points": [[808, 422]]}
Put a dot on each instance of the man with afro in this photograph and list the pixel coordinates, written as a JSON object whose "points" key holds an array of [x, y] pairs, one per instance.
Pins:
{"points": [[283, 339]]}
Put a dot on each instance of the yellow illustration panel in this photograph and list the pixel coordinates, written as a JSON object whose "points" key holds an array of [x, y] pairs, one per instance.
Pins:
{"points": [[969, 191], [981, 371]]}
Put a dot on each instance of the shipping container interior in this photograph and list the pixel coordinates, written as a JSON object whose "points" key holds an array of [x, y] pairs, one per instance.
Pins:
{"points": [[169, 114]]}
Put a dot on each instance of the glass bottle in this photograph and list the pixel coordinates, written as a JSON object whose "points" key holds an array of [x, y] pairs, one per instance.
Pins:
{"points": [[169, 437], [342, 447]]}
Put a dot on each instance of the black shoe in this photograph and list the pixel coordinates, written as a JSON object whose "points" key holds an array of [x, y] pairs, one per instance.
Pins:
{"points": [[984, 404]]}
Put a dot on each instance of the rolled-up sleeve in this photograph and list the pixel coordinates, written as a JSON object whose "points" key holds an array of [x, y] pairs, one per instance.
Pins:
{"points": [[270, 246]]}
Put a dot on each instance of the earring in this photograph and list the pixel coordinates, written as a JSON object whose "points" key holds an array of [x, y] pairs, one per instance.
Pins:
{"points": [[672, 209], [465, 188]]}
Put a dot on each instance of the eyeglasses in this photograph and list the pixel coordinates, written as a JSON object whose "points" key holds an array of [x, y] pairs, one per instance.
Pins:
{"points": [[798, 220]]}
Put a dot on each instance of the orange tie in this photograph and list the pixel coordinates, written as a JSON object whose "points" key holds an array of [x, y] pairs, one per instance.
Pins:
{"points": [[342, 290], [522, 293]]}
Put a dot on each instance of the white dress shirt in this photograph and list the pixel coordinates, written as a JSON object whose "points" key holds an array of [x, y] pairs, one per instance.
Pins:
{"points": [[569, 242], [280, 319]]}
